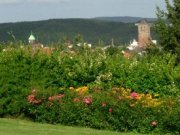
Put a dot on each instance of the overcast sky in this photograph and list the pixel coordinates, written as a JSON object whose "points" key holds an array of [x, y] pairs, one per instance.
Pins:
{"points": [[29, 10]]}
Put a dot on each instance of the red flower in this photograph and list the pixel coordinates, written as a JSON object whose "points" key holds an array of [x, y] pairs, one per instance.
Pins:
{"points": [[110, 110], [87, 100], [134, 95], [154, 123], [31, 98], [103, 104]]}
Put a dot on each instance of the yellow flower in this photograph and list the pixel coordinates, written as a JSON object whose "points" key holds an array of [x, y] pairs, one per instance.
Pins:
{"points": [[82, 90], [148, 96], [151, 102]]}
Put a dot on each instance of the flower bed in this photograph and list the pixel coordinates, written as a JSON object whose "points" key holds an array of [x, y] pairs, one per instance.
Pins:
{"points": [[118, 109]]}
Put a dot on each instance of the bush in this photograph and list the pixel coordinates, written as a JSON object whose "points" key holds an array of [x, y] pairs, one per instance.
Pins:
{"points": [[93, 67], [118, 110], [90, 87]]}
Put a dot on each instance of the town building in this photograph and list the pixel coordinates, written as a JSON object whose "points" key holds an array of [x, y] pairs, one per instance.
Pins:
{"points": [[144, 37], [32, 39], [133, 45], [144, 34]]}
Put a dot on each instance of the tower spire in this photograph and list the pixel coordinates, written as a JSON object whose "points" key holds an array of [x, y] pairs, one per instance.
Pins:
{"points": [[32, 38]]}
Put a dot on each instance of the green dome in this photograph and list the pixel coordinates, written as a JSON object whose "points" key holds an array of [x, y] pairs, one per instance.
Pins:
{"points": [[32, 37]]}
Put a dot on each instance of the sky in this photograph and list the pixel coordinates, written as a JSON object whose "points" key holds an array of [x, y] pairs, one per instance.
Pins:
{"points": [[33, 10]]}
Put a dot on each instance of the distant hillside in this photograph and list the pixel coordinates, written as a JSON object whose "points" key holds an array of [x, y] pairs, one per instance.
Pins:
{"points": [[57, 30], [125, 19]]}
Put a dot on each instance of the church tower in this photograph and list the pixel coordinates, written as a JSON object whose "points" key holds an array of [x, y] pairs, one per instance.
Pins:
{"points": [[144, 34], [32, 39]]}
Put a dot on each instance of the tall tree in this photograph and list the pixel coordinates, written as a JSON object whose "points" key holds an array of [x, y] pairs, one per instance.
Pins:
{"points": [[168, 26]]}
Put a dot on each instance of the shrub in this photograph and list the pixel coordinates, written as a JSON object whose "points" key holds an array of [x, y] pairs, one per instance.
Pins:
{"points": [[118, 110], [92, 88]]}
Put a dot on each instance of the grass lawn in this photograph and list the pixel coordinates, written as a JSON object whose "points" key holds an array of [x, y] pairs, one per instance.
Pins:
{"points": [[24, 127]]}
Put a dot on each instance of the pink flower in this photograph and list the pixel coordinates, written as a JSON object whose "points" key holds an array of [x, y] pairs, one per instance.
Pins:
{"points": [[110, 110], [134, 95], [103, 104], [87, 100], [31, 98], [154, 123]]}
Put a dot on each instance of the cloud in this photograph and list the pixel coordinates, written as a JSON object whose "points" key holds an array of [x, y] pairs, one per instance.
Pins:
{"points": [[32, 1]]}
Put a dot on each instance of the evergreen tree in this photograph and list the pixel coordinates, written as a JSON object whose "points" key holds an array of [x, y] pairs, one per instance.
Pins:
{"points": [[168, 26]]}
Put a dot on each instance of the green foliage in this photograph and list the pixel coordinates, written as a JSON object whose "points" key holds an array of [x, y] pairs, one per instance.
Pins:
{"points": [[168, 27], [24, 69], [171, 120], [92, 67]]}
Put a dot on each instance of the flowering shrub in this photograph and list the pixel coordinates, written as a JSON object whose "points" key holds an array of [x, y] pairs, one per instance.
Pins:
{"points": [[82, 90], [118, 109], [91, 88], [103, 104], [32, 98], [134, 95], [87, 100], [154, 123], [146, 100]]}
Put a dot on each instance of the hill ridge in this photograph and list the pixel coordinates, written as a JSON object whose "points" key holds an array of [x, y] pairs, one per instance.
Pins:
{"points": [[57, 30]]}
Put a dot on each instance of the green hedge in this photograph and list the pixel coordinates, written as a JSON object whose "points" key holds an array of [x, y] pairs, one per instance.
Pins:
{"points": [[22, 69], [155, 74]]}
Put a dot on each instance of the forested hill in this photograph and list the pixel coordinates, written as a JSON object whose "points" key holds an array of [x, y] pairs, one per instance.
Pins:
{"points": [[125, 19], [57, 30]]}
